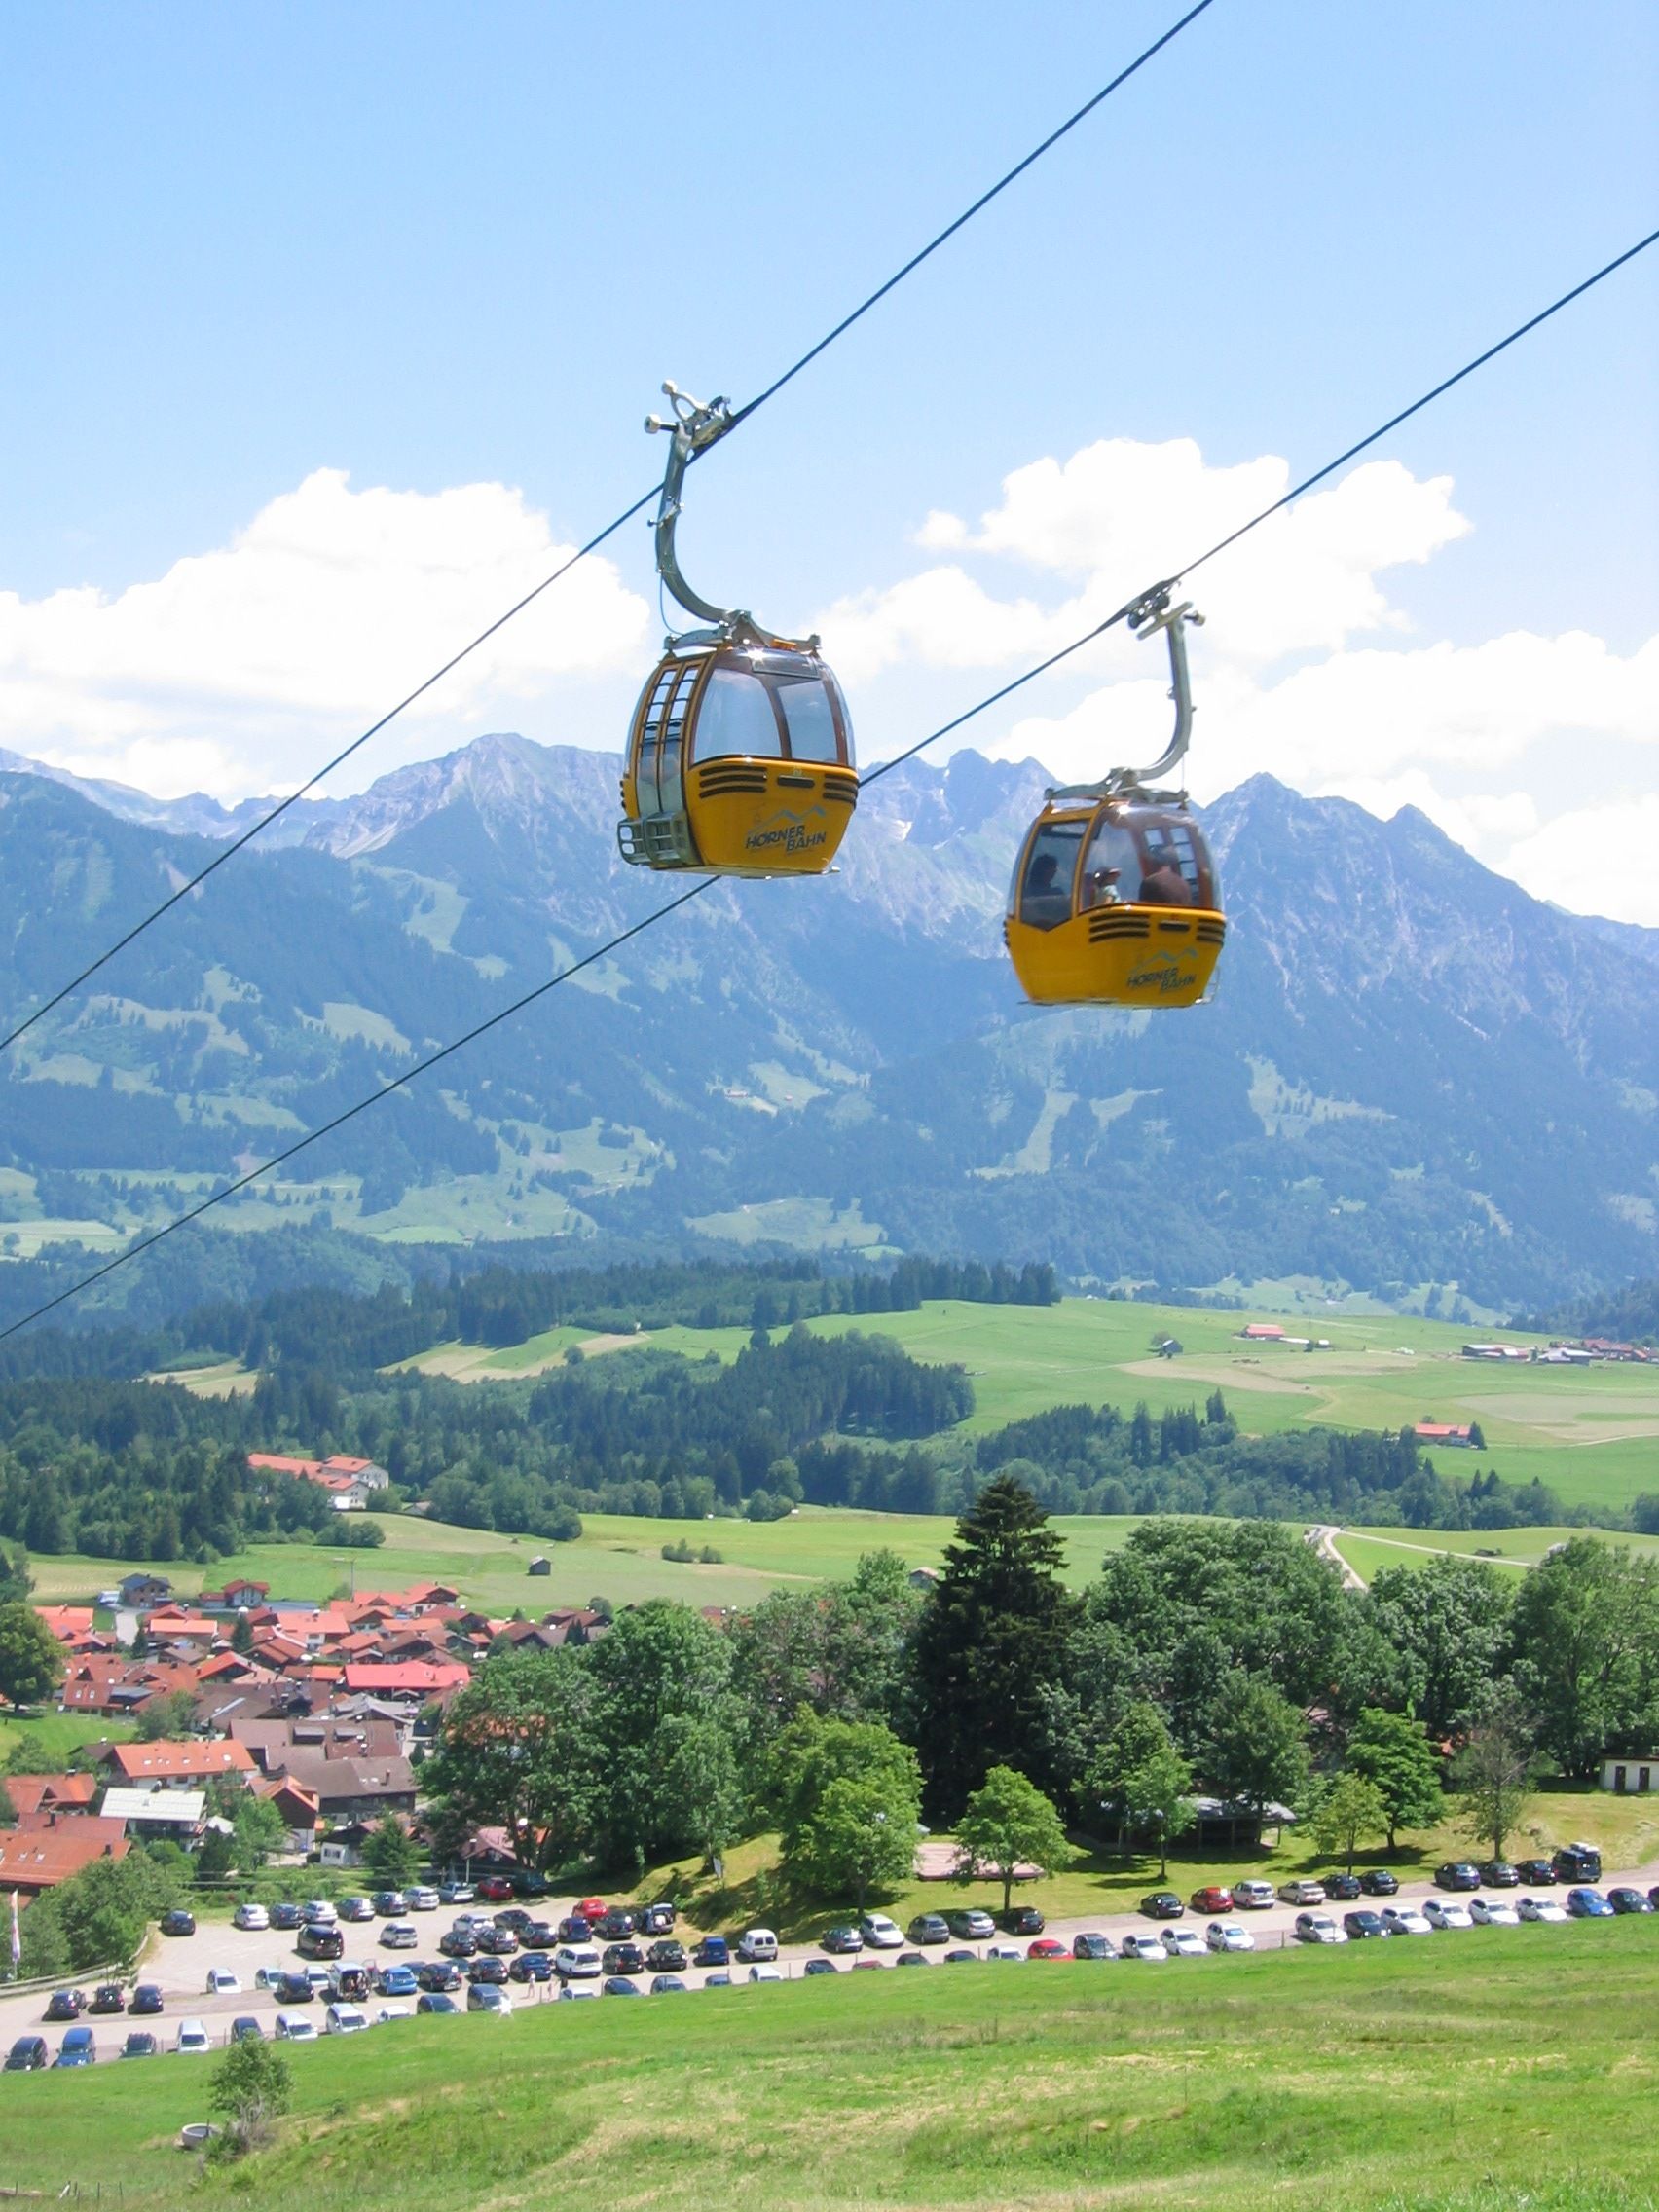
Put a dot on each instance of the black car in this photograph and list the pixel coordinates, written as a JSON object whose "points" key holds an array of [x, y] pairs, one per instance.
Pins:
{"points": [[435, 2001], [1093, 1947], [108, 1997], [532, 1966], [573, 1929], [928, 1927], [1457, 1874], [1379, 1883], [286, 1916], [488, 1973], [1357, 1925], [65, 2004], [539, 1935], [438, 1978], [146, 1998], [1628, 1900], [659, 1919], [498, 1943], [1537, 1873], [355, 1909], [1499, 1874], [515, 1917], [1577, 1862], [1163, 1904], [458, 1943], [821, 1965], [618, 1985], [244, 2028], [1024, 1920], [615, 1926], [1343, 1889], [291, 1989], [28, 2055], [140, 2044], [320, 1942], [667, 1955], [528, 1883], [623, 1958], [912, 1959], [179, 1922]]}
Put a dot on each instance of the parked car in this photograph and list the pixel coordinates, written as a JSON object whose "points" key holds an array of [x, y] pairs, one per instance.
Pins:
{"points": [[1216, 1898], [1228, 1936], [350, 1982], [1584, 1903], [1343, 1889], [179, 1922], [1044, 1947], [192, 2040], [717, 1980], [758, 1946], [496, 1887], [515, 1917], [575, 1928], [1184, 1943], [487, 1974], [1405, 1920], [28, 2055], [439, 1975], [578, 1962], [1622, 1900], [528, 1883], [628, 1958], [1008, 1954], [1252, 1896], [667, 1955], [294, 1989], [455, 1892], [1091, 1946], [139, 2043], [108, 1997], [712, 1951], [79, 2047], [1457, 1874], [286, 1915], [659, 1919], [495, 1942], [484, 1997], [1023, 1920], [384, 2012], [1318, 1928], [146, 1999], [928, 1928], [881, 1934], [1446, 1912], [957, 1958], [533, 1966], [591, 1909], [222, 1982], [390, 1904], [251, 1917], [397, 1981], [435, 2001], [344, 2021], [1499, 1874], [458, 1943], [1302, 1893], [1162, 1904], [319, 1912], [422, 1901], [400, 1936], [539, 1935], [972, 1926], [295, 2027], [1577, 1862], [1493, 1913], [314, 1941], [1358, 1925], [1536, 1874], [1378, 1882], [355, 1910], [65, 2004], [1139, 1946], [671, 1985], [615, 1926], [1540, 1908]]}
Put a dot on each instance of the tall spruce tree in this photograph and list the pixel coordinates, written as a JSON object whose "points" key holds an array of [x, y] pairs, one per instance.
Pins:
{"points": [[991, 1640]]}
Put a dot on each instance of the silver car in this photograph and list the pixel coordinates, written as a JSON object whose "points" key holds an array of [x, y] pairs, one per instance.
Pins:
{"points": [[1493, 1913]]}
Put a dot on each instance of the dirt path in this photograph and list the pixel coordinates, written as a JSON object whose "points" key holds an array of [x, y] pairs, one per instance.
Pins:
{"points": [[1323, 1539]]}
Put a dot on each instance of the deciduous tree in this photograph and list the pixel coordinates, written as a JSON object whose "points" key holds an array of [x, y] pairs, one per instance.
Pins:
{"points": [[1495, 1770], [1009, 1822], [1142, 1779], [1390, 1751], [31, 1658], [1348, 1812], [861, 1835], [1257, 1745]]}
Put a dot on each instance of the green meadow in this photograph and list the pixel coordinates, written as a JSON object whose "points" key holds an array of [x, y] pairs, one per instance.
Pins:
{"points": [[1482, 2071]]}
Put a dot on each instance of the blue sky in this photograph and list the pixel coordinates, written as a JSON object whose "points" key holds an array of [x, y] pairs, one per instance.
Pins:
{"points": [[434, 248]]}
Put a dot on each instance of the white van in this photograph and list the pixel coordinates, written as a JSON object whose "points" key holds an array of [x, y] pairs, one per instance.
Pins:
{"points": [[758, 1946], [192, 2037], [295, 2027], [344, 2020], [578, 1962]]}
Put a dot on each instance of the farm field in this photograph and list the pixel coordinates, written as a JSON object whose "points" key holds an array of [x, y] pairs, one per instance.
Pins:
{"points": [[1516, 1549], [1592, 1434], [1475, 2073], [616, 1557]]}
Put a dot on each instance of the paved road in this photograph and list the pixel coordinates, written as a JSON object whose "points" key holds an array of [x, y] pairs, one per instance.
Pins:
{"points": [[181, 1964]]}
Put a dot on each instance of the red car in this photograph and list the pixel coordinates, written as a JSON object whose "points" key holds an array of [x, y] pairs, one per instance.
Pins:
{"points": [[1045, 1947], [496, 1887], [591, 1909], [1213, 1899]]}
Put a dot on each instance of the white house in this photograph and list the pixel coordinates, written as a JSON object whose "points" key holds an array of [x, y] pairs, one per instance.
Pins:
{"points": [[1633, 1775]]}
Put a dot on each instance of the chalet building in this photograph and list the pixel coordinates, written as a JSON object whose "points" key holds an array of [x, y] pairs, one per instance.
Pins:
{"points": [[175, 1766], [351, 1788], [1443, 1432], [33, 1861]]}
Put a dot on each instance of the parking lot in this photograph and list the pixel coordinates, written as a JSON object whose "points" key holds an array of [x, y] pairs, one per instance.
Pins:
{"points": [[181, 1965]]}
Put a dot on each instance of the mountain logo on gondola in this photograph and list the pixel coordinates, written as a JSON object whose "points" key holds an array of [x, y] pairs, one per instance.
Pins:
{"points": [[1161, 975], [788, 831]]}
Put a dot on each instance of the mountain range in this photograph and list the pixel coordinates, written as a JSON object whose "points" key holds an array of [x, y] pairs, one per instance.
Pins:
{"points": [[1416, 1085]]}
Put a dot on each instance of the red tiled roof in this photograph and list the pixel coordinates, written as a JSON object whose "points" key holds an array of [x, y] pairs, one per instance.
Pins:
{"points": [[40, 1859], [67, 1622], [165, 1761], [418, 1676]]}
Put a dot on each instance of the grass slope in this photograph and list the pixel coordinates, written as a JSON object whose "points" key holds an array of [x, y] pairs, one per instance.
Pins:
{"points": [[1483, 2072]]}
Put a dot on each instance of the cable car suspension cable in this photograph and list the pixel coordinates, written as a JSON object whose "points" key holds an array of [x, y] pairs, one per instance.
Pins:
{"points": [[599, 537]]}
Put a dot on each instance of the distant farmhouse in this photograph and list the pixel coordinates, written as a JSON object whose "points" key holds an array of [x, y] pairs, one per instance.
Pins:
{"points": [[350, 1483]]}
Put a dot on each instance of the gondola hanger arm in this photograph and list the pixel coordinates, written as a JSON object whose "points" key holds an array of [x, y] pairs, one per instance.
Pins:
{"points": [[1146, 617]]}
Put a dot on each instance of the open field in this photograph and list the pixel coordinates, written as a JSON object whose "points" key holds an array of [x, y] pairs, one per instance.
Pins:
{"points": [[616, 1557], [1478, 2073], [1514, 1548], [1592, 1434]]}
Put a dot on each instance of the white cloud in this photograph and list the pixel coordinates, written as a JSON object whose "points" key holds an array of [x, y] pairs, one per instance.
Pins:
{"points": [[1595, 860], [243, 664]]}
